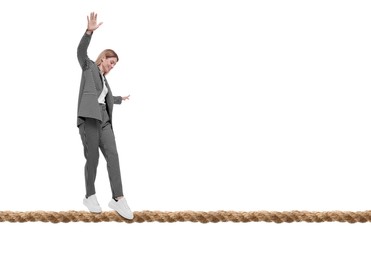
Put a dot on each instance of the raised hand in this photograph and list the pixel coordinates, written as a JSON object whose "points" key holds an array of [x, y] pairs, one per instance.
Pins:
{"points": [[92, 22]]}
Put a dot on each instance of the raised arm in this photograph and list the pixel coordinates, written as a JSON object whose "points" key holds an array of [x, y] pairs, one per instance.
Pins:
{"points": [[82, 49]]}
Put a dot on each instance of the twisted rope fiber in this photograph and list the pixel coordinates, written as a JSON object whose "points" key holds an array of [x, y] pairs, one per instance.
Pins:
{"points": [[188, 216]]}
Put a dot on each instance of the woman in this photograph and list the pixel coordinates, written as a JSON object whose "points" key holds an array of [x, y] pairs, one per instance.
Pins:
{"points": [[94, 119]]}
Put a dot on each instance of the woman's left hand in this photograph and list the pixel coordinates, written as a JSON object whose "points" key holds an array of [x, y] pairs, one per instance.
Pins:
{"points": [[125, 98]]}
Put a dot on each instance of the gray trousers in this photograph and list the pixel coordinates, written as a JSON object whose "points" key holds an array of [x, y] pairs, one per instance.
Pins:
{"points": [[94, 135]]}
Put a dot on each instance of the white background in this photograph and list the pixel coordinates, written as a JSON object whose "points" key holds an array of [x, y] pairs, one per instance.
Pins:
{"points": [[235, 105]]}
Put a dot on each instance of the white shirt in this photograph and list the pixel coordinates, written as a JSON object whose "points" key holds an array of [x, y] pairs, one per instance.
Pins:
{"points": [[102, 97]]}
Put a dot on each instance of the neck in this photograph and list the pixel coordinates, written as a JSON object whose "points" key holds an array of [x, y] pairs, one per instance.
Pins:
{"points": [[101, 69]]}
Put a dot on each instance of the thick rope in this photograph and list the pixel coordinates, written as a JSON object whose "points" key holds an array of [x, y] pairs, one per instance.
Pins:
{"points": [[188, 216]]}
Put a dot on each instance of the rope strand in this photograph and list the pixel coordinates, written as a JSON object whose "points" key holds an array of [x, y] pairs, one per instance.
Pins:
{"points": [[188, 216]]}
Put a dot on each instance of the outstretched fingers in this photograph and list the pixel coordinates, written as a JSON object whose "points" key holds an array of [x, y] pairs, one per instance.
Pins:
{"points": [[92, 21]]}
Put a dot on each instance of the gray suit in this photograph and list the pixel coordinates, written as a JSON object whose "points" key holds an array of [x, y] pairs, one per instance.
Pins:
{"points": [[95, 123]]}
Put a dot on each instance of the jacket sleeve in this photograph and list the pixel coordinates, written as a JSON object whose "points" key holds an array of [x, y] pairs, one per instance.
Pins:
{"points": [[117, 100], [82, 51]]}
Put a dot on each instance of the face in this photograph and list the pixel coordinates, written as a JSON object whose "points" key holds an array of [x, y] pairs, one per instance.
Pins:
{"points": [[107, 64]]}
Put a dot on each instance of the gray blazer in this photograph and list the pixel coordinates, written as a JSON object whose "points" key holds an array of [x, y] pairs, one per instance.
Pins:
{"points": [[91, 86]]}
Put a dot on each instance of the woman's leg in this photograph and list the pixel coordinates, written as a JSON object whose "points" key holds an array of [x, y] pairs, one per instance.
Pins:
{"points": [[109, 150], [89, 132], [107, 145]]}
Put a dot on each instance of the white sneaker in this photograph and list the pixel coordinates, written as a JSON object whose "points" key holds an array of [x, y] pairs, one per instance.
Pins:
{"points": [[121, 206], [92, 204]]}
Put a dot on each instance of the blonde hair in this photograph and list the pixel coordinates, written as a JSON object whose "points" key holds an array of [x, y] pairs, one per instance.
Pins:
{"points": [[107, 53]]}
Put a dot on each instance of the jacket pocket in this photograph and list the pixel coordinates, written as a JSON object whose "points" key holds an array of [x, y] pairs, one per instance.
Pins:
{"points": [[89, 93]]}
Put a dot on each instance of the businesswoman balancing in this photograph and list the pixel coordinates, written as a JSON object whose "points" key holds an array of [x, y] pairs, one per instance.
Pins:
{"points": [[94, 119]]}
